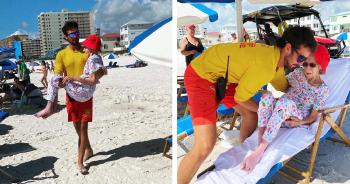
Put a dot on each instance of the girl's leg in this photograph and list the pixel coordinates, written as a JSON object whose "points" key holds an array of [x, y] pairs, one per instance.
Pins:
{"points": [[281, 112], [266, 106], [52, 93], [204, 141]]}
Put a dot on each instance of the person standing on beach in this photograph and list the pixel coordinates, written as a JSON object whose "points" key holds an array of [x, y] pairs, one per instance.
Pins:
{"points": [[245, 68], [44, 69], [70, 62], [190, 45], [23, 72]]}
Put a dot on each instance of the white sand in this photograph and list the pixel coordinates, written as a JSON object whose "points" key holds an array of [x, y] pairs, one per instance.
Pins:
{"points": [[332, 162], [132, 113]]}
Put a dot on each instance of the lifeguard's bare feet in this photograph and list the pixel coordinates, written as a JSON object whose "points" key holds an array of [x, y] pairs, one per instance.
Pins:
{"points": [[88, 154], [82, 169]]}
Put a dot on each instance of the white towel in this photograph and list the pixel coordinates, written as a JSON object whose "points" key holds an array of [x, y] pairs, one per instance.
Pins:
{"points": [[288, 142]]}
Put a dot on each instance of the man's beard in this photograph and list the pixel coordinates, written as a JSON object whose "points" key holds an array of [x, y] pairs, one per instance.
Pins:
{"points": [[75, 43], [287, 67]]}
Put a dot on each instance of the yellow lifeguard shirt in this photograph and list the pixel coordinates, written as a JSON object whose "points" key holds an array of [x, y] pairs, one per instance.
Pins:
{"points": [[252, 65], [70, 62]]}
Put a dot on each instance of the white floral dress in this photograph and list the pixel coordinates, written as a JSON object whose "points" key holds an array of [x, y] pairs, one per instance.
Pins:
{"points": [[300, 99], [76, 90]]}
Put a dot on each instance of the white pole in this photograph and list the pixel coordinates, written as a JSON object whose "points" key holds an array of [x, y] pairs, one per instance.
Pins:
{"points": [[239, 20]]}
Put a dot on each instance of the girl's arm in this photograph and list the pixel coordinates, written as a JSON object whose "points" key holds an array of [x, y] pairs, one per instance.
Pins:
{"points": [[294, 122], [311, 118], [93, 78], [89, 81]]}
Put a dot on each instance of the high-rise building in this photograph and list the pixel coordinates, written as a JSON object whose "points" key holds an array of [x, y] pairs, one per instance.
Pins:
{"points": [[51, 23], [31, 48], [131, 29]]}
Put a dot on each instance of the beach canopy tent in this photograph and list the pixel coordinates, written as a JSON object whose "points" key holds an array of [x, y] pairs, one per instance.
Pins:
{"points": [[110, 56], [7, 64], [7, 50], [154, 44], [194, 14]]}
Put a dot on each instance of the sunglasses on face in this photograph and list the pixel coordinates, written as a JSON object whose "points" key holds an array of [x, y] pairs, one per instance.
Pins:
{"points": [[74, 34], [300, 58], [312, 65]]}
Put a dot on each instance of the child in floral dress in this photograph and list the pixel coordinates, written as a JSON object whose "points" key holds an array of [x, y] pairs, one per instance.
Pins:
{"points": [[297, 107], [80, 88]]}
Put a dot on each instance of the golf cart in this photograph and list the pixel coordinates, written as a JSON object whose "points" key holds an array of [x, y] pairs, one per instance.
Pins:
{"points": [[278, 14]]}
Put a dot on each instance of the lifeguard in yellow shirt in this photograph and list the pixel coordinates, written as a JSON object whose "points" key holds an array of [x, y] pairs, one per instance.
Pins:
{"points": [[250, 67]]}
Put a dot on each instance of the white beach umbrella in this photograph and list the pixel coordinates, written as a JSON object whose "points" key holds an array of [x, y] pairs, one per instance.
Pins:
{"points": [[194, 14], [155, 44]]}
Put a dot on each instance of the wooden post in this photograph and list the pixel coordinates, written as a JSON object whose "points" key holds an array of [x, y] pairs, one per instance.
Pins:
{"points": [[234, 119], [315, 149], [337, 129], [342, 116]]}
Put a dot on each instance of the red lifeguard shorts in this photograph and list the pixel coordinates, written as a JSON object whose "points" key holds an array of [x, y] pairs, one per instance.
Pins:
{"points": [[202, 98], [78, 111]]}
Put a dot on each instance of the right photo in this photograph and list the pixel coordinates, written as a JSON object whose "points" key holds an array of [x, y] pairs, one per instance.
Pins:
{"points": [[263, 91]]}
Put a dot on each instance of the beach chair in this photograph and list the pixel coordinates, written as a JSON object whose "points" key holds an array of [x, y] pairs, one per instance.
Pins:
{"points": [[335, 129], [184, 129], [225, 168]]}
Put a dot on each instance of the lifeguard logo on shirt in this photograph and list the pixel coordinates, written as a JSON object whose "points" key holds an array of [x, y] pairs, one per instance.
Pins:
{"points": [[247, 44]]}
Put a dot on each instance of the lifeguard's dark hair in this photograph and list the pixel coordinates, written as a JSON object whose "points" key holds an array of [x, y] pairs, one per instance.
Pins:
{"points": [[69, 25], [297, 36]]}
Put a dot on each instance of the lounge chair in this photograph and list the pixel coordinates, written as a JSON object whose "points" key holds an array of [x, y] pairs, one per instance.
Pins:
{"points": [[184, 129], [227, 166]]}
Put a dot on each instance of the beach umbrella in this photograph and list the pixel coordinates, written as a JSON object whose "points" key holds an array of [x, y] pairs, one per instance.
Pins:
{"points": [[7, 64], [154, 45], [239, 16], [194, 14]]}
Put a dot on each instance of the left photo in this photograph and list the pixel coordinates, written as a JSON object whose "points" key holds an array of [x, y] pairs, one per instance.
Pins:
{"points": [[85, 91]]}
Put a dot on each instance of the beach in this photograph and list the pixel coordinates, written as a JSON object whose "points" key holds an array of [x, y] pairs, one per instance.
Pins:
{"points": [[132, 115]]}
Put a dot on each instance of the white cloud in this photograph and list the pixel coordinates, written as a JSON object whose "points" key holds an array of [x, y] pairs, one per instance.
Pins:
{"points": [[227, 12], [109, 15], [24, 25]]}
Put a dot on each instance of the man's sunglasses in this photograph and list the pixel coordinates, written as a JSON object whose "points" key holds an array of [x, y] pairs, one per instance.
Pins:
{"points": [[300, 58], [312, 65], [75, 34]]}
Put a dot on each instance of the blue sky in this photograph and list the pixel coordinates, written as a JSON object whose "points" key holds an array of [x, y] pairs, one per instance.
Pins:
{"points": [[22, 14]]}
